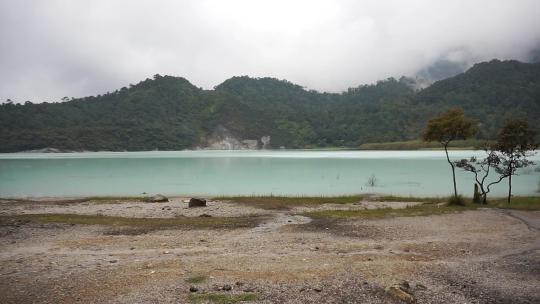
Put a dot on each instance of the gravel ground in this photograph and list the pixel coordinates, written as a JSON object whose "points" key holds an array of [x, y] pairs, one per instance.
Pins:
{"points": [[481, 256]]}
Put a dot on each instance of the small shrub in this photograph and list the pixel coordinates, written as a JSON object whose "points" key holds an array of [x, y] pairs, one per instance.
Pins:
{"points": [[456, 201]]}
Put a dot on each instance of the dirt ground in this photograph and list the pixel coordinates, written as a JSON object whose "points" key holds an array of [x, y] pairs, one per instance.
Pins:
{"points": [[280, 256]]}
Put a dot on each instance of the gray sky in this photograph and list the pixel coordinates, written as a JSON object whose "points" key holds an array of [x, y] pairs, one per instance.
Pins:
{"points": [[50, 49]]}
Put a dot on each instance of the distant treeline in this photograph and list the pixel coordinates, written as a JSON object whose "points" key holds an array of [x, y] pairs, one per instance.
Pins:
{"points": [[169, 113]]}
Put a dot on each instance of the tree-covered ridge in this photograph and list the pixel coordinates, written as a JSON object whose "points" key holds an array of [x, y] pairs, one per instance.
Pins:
{"points": [[169, 113]]}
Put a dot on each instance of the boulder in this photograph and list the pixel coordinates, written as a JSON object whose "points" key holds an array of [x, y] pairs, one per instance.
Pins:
{"points": [[158, 198], [197, 202]]}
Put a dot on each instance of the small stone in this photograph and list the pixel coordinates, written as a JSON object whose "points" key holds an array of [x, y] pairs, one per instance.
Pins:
{"points": [[420, 287], [239, 284], [227, 287], [317, 289], [131, 248], [249, 289], [193, 289], [113, 261], [166, 252]]}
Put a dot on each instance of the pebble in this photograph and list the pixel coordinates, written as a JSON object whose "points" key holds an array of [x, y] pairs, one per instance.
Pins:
{"points": [[193, 289]]}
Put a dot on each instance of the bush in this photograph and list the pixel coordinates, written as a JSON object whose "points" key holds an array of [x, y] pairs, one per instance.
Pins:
{"points": [[456, 201]]}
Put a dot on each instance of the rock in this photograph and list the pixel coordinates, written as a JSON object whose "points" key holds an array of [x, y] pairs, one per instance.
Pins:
{"points": [[265, 140], [205, 215], [193, 289], [249, 289], [113, 261], [404, 285], [158, 198], [317, 289], [420, 287], [197, 202], [227, 287], [398, 293], [250, 144]]}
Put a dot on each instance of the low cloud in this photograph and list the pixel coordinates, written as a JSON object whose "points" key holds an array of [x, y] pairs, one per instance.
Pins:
{"points": [[52, 49]]}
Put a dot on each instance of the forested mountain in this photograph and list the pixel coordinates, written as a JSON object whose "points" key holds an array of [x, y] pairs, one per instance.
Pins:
{"points": [[169, 113]]}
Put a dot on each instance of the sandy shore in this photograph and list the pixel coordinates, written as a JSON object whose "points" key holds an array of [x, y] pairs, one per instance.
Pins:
{"points": [[261, 255]]}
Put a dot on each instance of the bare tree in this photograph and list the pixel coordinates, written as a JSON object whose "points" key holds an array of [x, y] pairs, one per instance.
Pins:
{"points": [[372, 181], [481, 169]]}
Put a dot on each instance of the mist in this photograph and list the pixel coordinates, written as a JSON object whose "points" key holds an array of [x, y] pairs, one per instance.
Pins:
{"points": [[52, 49]]}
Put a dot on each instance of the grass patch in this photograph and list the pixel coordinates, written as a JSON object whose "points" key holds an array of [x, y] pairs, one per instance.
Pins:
{"points": [[141, 223], [69, 201], [517, 203], [196, 279], [431, 200], [419, 210], [470, 144], [221, 298], [284, 203]]}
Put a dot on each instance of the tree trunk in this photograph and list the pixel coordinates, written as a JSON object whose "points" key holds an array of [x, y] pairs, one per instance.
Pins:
{"points": [[509, 187], [453, 169], [484, 198]]}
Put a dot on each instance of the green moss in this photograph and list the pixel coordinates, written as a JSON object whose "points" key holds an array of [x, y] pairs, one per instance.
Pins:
{"points": [[196, 279], [221, 298], [419, 210], [149, 223], [280, 202]]}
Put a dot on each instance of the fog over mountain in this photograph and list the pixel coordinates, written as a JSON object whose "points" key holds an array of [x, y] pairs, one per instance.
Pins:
{"points": [[52, 49]]}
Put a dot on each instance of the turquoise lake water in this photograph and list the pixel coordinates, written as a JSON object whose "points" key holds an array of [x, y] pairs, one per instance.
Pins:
{"points": [[213, 173]]}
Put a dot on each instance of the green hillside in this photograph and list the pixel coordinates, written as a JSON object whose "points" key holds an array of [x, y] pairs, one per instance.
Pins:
{"points": [[169, 113]]}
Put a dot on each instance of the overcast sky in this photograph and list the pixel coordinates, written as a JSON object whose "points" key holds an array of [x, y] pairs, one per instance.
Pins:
{"points": [[50, 49]]}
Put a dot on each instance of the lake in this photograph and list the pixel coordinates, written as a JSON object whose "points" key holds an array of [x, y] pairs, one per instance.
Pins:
{"points": [[214, 173]]}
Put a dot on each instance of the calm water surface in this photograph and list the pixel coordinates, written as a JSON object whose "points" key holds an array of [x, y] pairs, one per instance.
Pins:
{"points": [[213, 173]]}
